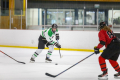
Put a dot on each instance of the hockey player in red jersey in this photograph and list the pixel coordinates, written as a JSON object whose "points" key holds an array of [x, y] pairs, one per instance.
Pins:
{"points": [[111, 52]]}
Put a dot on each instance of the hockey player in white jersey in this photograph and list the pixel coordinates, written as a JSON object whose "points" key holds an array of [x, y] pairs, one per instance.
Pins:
{"points": [[46, 39]]}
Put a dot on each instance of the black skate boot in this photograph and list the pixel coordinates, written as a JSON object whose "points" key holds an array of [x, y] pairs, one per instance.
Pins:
{"points": [[48, 60], [32, 60], [117, 75], [103, 76]]}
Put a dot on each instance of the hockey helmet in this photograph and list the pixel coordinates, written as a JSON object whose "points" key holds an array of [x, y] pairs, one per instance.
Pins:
{"points": [[54, 26], [101, 25]]}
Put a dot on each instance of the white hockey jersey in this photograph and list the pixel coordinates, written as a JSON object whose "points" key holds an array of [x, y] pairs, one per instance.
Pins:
{"points": [[48, 34]]}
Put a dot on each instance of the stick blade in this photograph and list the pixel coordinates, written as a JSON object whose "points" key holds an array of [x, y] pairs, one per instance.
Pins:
{"points": [[21, 62], [62, 56], [47, 74]]}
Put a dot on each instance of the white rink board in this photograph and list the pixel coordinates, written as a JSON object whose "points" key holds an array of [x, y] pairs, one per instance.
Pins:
{"points": [[68, 39]]}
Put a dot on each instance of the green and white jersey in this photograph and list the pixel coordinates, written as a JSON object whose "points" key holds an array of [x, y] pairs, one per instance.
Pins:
{"points": [[48, 34]]}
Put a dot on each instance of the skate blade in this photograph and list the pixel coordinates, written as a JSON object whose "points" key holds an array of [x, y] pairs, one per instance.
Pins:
{"points": [[103, 78], [48, 61], [32, 61], [117, 77]]}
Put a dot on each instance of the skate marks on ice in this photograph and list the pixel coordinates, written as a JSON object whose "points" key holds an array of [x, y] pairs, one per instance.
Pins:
{"points": [[117, 77], [106, 78], [103, 78]]}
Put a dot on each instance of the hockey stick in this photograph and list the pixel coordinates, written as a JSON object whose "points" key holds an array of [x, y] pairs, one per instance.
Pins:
{"points": [[59, 51], [12, 58], [50, 75]]}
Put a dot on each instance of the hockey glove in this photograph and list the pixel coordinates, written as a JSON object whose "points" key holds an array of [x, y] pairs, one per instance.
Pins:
{"points": [[57, 45], [96, 50], [57, 36]]}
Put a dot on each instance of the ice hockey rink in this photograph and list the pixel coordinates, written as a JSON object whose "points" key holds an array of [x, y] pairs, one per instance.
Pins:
{"points": [[87, 70]]}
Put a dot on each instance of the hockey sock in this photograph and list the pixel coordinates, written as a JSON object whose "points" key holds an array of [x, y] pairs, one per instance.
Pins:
{"points": [[102, 63], [35, 55], [49, 54], [38, 51], [115, 65]]}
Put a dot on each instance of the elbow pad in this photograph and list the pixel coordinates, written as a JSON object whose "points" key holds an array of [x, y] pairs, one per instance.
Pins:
{"points": [[102, 42]]}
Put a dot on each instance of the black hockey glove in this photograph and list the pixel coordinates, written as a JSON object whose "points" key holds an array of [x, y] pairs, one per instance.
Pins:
{"points": [[57, 36], [57, 45], [96, 50]]}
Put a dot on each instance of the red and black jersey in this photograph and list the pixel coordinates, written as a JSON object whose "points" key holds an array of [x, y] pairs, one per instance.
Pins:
{"points": [[106, 37]]}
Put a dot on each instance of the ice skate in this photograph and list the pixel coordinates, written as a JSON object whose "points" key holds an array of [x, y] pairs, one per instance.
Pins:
{"points": [[117, 75], [32, 60], [103, 76], [48, 60]]}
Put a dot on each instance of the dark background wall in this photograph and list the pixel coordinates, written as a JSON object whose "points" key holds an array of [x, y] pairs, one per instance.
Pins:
{"points": [[72, 4], [117, 34], [89, 6], [0, 2], [4, 7]]}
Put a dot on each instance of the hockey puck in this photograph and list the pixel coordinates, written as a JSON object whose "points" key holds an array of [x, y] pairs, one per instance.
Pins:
{"points": [[56, 64]]}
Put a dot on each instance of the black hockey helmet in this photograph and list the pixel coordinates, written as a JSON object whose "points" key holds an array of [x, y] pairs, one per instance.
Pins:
{"points": [[101, 25], [54, 26]]}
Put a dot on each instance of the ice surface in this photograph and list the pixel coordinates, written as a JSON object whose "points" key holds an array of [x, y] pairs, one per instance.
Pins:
{"points": [[89, 69]]}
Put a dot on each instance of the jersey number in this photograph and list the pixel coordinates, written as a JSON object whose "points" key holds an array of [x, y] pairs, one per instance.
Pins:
{"points": [[110, 34]]}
